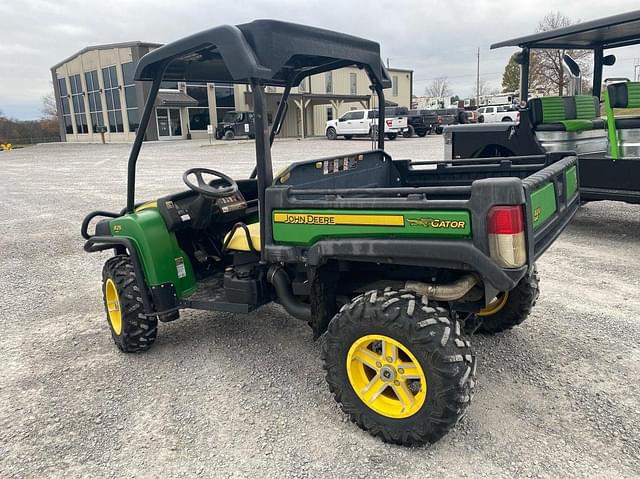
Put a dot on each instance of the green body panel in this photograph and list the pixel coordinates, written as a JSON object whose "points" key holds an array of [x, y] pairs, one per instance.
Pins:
{"points": [[160, 254], [422, 224], [552, 109], [570, 182], [577, 125], [543, 204]]}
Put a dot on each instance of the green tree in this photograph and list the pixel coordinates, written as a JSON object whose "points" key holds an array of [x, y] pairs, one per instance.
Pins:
{"points": [[511, 75]]}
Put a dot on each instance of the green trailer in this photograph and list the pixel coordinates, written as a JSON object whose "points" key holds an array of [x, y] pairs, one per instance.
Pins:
{"points": [[393, 263]]}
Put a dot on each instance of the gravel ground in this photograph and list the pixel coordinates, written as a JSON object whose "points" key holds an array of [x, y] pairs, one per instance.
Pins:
{"points": [[244, 396]]}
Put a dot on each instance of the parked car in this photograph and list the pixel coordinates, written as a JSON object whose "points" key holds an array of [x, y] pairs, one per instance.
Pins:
{"points": [[236, 123], [496, 114], [364, 123], [449, 116], [420, 122]]}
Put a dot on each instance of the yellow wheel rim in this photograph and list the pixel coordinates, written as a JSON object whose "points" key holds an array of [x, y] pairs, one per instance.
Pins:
{"points": [[113, 306], [386, 376], [495, 305]]}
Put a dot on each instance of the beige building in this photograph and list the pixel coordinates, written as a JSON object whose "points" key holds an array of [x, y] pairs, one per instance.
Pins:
{"points": [[97, 96]]}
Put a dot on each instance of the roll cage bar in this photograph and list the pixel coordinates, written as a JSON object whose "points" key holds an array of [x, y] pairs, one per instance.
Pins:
{"points": [[596, 35], [261, 53]]}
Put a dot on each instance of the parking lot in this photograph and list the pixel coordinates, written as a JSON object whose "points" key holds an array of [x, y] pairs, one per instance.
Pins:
{"points": [[221, 395]]}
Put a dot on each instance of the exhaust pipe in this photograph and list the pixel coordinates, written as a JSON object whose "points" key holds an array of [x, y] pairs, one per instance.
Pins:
{"points": [[282, 284], [572, 69], [444, 292]]}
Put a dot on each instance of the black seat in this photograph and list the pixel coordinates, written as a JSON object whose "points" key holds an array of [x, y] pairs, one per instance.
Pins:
{"points": [[627, 123]]}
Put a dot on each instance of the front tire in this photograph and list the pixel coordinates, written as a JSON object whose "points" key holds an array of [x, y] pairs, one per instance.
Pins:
{"points": [[400, 368], [131, 329], [229, 135], [331, 133], [508, 309]]}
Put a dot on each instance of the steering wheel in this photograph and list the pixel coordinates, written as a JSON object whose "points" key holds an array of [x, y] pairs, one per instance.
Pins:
{"points": [[204, 188]]}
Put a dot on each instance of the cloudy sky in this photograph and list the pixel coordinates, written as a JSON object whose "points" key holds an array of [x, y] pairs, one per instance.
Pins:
{"points": [[433, 37]]}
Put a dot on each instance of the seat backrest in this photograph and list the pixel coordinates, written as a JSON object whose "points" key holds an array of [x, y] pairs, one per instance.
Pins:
{"points": [[557, 109], [619, 95], [624, 95]]}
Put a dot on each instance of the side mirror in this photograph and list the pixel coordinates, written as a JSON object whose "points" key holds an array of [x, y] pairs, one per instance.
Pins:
{"points": [[609, 60]]}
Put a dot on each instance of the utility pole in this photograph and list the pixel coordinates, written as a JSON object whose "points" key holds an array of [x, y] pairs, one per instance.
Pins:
{"points": [[478, 80]]}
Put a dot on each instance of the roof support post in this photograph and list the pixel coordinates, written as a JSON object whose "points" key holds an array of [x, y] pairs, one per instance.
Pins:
{"points": [[280, 113], [381, 123], [524, 74], [137, 143], [597, 71], [263, 154]]}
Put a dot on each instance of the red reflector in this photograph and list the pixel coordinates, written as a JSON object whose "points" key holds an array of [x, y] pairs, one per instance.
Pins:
{"points": [[389, 123], [505, 220]]}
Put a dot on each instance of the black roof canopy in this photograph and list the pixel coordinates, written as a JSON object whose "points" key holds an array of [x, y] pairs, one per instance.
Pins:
{"points": [[609, 32], [277, 53]]}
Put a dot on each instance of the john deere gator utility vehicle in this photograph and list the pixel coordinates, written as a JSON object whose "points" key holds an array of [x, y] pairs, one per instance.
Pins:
{"points": [[608, 148], [388, 260]]}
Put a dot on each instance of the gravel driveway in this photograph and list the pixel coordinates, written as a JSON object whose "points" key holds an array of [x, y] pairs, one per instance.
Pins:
{"points": [[244, 396]]}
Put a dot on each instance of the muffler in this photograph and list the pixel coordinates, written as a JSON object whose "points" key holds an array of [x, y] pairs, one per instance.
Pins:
{"points": [[444, 292]]}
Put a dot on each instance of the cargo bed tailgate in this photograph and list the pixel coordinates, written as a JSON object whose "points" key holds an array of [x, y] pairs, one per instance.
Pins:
{"points": [[552, 199]]}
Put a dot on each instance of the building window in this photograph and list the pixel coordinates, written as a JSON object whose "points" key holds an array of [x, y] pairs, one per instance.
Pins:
{"points": [[353, 81], [95, 103], [225, 100], [329, 114], [112, 95], [169, 85], [77, 98], [328, 82], [198, 115], [130, 96], [66, 111], [394, 81]]}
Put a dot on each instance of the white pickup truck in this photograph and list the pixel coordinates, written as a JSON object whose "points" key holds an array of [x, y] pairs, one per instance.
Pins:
{"points": [[364, 123], [497, 113]]}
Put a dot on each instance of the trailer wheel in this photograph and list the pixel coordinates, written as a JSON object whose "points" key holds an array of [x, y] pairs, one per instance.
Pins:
{"points": [[392, 136], [422, 133], [229, 135], [508, 309], [331, 133], [401, 369], [131, 329], [408, 133]]}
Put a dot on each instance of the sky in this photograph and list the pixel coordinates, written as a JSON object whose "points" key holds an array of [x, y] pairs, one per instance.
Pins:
{"points": [[434, 38]]}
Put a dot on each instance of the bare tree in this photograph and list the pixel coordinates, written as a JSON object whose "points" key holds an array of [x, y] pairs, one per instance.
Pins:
{"points": [[483, 88], [439, 87], [550, 74], [49, 107]]}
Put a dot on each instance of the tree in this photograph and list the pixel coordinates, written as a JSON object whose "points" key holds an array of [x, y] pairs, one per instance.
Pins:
{"points": [[511, 75], [483, 88], [49, 107], [550, 74], [439, 87]]}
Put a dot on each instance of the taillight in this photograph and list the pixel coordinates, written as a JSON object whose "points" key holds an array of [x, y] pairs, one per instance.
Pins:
{"points": [[439, 119], [389, 123], [505, 226]]}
